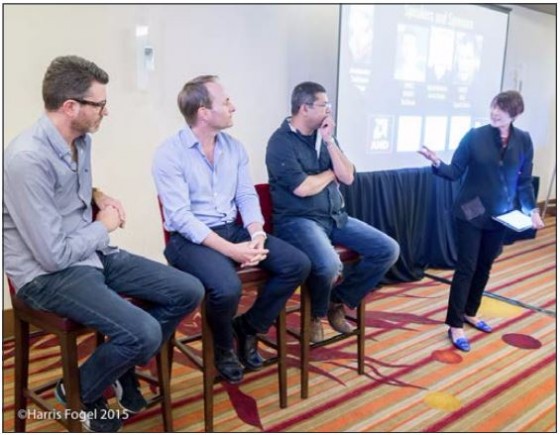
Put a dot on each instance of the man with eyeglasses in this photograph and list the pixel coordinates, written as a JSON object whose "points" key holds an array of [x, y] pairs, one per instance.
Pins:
{"points": [[203, 180], [305, 166], [60, 260]]}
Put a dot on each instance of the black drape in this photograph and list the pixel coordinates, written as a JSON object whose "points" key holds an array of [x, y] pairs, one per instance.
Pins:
{"points": [[414, 207]]}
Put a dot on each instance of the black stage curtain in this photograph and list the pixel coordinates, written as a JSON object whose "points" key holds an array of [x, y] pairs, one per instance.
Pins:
{"points": [[414, 207]]}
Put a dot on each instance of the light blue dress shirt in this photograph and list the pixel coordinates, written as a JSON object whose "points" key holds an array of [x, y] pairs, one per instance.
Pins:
{"points": [[197, 195], [47, 205]]}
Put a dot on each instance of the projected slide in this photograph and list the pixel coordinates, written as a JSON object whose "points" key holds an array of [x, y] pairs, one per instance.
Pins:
{"points": [[413, 75]]}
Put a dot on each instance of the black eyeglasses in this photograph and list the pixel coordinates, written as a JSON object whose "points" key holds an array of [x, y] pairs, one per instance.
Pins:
{"points": [[100, 104]]}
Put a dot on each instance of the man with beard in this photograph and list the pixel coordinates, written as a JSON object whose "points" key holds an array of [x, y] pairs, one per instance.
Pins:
{"points": [[305, 166], [60, 260]]}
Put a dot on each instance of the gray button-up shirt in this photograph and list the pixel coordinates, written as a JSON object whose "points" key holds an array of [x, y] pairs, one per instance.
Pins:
{"points": [[47, 205]]}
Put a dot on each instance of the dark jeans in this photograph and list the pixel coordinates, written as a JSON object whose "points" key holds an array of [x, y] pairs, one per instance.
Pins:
{"points": [[477, 249], [93, 297], [378, 253], [288, 268]]}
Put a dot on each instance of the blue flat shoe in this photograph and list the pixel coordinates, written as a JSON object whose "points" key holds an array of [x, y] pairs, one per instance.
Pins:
{"points": [[481, 325], [461, 343]]}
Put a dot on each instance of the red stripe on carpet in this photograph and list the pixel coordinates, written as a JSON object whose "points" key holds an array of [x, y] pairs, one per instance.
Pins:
{"points": [[490, 395], [524, 277], [358, 391], [526, 251]]}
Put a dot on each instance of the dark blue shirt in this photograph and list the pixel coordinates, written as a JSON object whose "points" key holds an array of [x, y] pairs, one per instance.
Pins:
{"points": [[494, 176], [290, 158]]}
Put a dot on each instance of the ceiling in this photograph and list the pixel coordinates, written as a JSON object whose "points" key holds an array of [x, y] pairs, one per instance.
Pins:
{"points": [[547, 8]]}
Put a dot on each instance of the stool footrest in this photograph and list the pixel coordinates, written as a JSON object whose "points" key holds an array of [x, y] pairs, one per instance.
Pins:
{"points": [[189, 353]]}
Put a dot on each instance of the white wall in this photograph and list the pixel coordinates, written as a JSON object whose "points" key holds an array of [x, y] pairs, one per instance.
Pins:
{"points": [[259, 51], [531, 68]]}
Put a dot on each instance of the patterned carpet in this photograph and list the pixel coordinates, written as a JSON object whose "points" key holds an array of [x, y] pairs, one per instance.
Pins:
{"points": [[415, 380]]}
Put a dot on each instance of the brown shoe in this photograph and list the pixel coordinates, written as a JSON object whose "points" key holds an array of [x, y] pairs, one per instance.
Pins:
{"points": [[316, 330], [337, 318]]}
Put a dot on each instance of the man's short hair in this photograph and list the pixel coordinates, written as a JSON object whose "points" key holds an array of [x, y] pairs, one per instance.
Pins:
{"points": [[305, 93], [193, 96], [510, 102], [69, 77]]}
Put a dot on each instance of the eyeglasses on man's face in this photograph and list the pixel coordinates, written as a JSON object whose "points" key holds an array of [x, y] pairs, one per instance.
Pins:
{"points": [[322, 105], [100, 104]]}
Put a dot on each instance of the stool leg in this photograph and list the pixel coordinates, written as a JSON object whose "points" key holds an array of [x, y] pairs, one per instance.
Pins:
{"points": [[99, 339], [305, 336], [207, 370], [171, 353], [163, 365], [282, 363], [21, 370], [70, 374], [361, 314]]}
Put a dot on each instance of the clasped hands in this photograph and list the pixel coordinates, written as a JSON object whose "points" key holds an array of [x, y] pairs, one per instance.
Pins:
{"points": [[111, 212], [249, 253]]}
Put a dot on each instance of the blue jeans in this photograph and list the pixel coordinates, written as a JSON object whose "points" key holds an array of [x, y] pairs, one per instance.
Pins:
{"points": [[93, 297], [287, 266], [476, 249], [377, 250]]}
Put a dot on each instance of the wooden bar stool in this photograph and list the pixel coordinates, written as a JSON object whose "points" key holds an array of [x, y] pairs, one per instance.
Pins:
{"points": [[304, 334], [67, 331], [250, 277]]}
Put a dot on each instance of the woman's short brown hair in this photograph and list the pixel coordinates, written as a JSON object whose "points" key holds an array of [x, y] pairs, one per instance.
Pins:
{"points": [[510, 102]]}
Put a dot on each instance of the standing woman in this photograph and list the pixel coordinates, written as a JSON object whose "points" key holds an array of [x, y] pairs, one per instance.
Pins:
{"points": [[497, 160]]}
